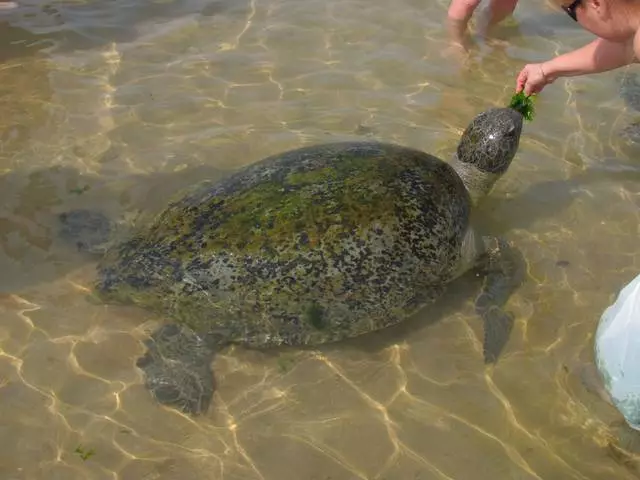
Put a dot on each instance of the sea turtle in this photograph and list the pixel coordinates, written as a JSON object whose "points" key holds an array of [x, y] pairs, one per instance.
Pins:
{"points": [[309, 246]]}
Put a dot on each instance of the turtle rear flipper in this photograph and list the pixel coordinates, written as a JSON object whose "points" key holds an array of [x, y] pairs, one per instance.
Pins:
{"points": [[177, 369], [90, 231], [504, 270]]}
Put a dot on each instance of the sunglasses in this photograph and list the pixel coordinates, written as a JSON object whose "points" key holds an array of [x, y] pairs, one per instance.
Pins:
{"points": [[571, 9]]}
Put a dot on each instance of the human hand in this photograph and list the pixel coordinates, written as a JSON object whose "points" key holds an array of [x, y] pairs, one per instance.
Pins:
{"points": [[532, 79]]}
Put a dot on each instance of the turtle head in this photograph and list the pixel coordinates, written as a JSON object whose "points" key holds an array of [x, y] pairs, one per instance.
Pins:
{"points": [[486, 149]]}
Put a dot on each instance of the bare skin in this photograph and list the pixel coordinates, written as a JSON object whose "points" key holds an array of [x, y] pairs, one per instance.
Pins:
{"points": [[616, 23], [461, 11]]}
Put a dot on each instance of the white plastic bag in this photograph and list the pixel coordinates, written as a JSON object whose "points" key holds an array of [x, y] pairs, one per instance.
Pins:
{"points": [[617, 351]]}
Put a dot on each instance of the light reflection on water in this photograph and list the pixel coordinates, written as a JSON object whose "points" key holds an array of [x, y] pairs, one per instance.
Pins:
{"points": [[126, 102]]}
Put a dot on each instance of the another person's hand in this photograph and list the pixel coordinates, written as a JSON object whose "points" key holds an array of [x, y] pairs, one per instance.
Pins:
{"points": [[532, 79]]}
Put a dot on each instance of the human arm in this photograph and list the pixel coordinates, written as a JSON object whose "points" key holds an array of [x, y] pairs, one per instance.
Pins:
{"points": [[596, 57]]}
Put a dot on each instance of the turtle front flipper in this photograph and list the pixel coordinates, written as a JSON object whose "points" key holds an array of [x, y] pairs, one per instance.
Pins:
{"points": [[504, 269], [177, 369]]}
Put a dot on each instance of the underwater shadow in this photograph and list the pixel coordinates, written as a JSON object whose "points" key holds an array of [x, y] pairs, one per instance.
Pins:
{"points": [[32, 251], [545, 199]]}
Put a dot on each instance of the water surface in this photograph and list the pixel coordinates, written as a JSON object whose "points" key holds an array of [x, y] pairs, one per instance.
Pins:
{"points": [[119, 104]]}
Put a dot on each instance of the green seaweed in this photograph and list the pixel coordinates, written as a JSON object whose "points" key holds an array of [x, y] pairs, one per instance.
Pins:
{"points": [[84, 454], [524, 104]]}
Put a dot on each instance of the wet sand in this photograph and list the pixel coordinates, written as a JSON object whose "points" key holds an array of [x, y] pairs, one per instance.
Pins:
{"points": [[119, 107]]}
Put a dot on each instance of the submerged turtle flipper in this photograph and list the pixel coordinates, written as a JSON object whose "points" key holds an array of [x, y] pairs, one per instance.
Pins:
{"points": [[177, 368], [504, 270], [88, 230], [92, 231]]}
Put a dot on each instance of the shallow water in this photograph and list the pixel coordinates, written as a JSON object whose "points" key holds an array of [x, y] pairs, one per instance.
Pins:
{"points": [[119, 104]]}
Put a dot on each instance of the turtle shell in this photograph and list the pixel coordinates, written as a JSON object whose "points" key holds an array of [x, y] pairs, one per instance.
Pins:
{"points": [[312, 245]]}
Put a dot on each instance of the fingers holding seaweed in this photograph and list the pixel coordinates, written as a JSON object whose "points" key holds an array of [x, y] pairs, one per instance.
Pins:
{"points": [[532, 79]]}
